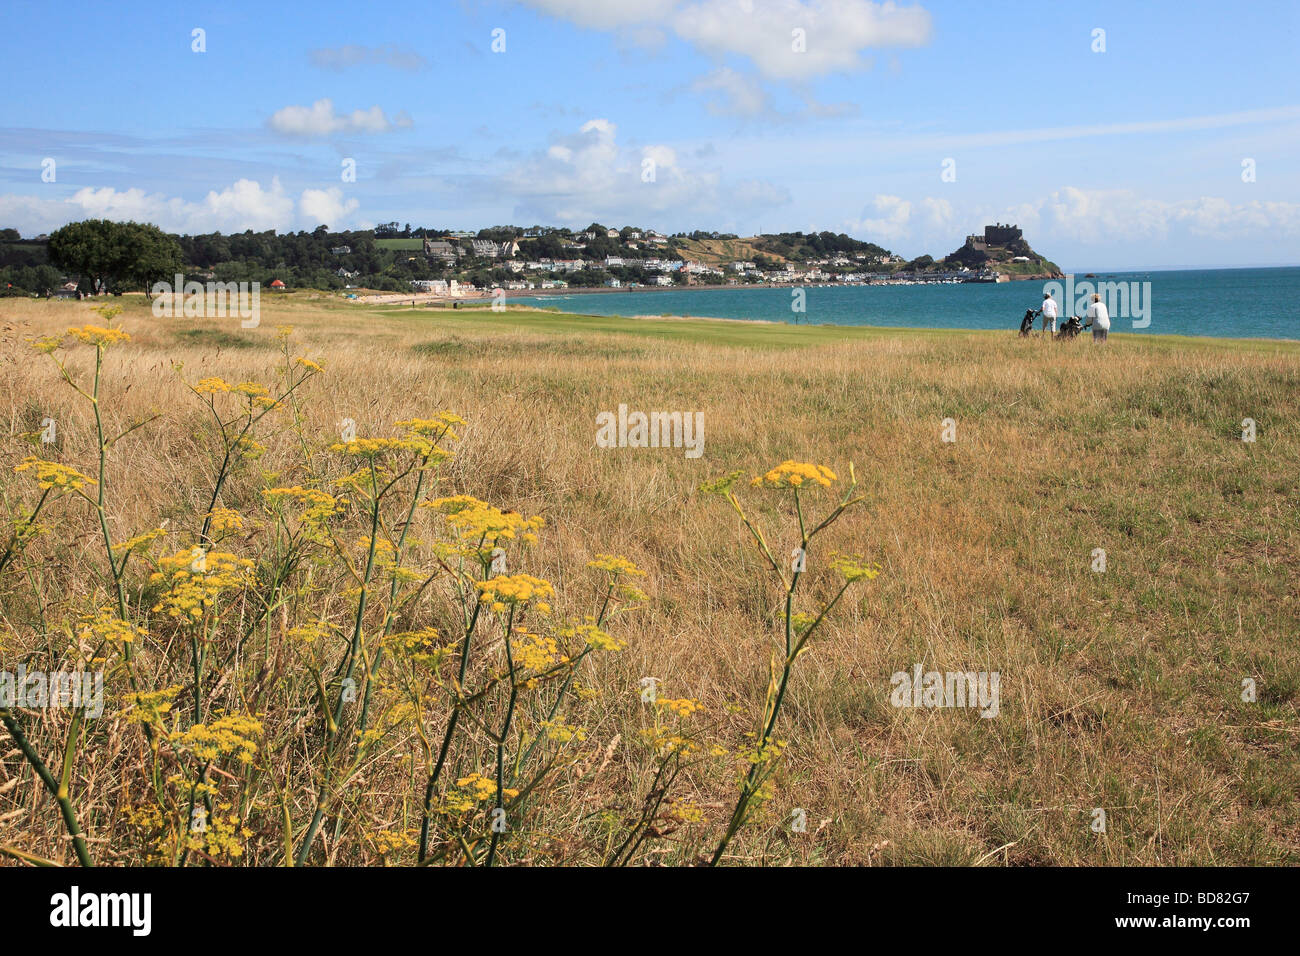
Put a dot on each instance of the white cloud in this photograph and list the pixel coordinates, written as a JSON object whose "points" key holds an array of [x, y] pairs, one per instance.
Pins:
{"points": [[341, 58], [320, 119], [892, 222], [835, 32], [1086, 217], [605, 14], [1095, 216], [243, 205], [949, 142], [326, 206], [738, 93], [590, 176], [938, 213]]}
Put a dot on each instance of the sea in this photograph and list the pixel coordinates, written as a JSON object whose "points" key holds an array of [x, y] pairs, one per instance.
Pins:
{"points": [[1229, 303]]}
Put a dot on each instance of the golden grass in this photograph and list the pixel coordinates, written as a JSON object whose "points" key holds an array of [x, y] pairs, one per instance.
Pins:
{"points": [[1119, 691]]}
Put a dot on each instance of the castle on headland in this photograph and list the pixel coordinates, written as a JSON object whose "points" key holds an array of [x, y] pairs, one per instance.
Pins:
{"points": [[998, 234]]}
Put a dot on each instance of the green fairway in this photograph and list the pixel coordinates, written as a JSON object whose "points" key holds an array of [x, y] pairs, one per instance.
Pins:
{"points": [[747, 334]]}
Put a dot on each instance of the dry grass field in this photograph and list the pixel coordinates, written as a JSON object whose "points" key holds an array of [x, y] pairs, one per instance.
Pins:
{"points": [[1120, 691]]}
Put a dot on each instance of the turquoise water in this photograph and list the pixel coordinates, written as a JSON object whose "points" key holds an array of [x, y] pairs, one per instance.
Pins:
{"points": [[1233, 303]]}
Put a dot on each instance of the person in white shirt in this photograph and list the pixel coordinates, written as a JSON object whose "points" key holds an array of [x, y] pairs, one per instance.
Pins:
{"points": [[1049, 313], [1100, 319]]}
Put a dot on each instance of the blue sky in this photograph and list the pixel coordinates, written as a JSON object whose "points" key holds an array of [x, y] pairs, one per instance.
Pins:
{"points": [[1128, 158]]}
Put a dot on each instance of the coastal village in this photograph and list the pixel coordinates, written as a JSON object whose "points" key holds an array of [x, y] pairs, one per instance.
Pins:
{"points": [[650, 259], [390, 262]]}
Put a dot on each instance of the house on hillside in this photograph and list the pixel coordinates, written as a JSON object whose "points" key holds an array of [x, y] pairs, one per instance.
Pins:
{"points": [[485, 248], [439, 249], [341, 250]]}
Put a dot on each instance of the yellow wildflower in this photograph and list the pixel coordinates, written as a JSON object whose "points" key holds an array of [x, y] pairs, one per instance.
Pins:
{"points": [[139, 541], [514, 589], [316, 505], [475, 520], [792, 474], [226, 519], [106, 626], [218, 834], [233, 734], [593, 636], [440, 426], [256, 394], [210, 386], [482, 788], [195, 577], [684, 707], [853, 569], [615, 565], [534, 652], [561, 732], [52, 475], [98, 336], [150, 707]]}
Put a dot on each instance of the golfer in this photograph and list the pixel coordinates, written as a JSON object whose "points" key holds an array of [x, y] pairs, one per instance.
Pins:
{"points": [[1049, 313], [1100, 319]]}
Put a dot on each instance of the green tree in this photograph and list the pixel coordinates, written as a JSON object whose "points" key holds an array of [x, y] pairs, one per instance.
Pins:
{"points": [[152, 256], [108, 253]]}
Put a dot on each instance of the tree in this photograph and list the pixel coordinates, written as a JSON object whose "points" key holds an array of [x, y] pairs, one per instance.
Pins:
{"points": [[115, 253], [152, 256]]}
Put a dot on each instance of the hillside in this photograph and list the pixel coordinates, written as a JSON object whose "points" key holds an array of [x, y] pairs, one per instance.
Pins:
{"points": [[780, 249], [718, 252]]}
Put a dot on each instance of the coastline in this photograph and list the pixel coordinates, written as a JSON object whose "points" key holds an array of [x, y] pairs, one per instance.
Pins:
{"points": [[1162, 340], [394, 297], [1181, 305]]}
